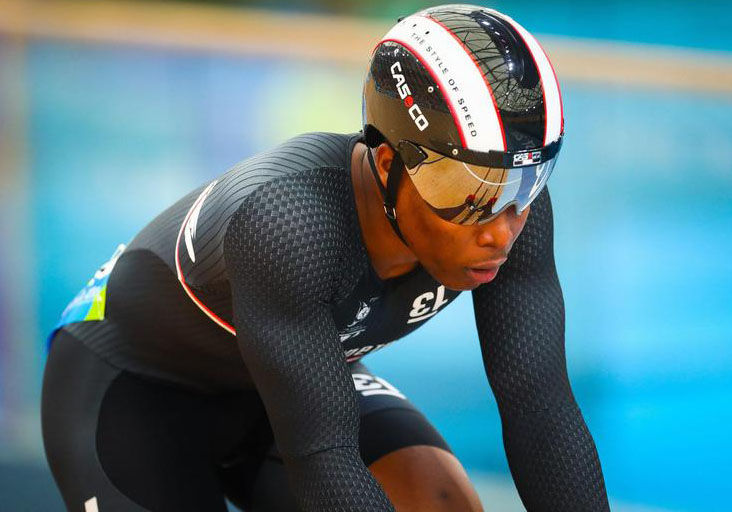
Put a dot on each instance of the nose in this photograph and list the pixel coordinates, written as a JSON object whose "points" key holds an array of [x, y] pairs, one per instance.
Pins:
{"points": [[500, 232]]}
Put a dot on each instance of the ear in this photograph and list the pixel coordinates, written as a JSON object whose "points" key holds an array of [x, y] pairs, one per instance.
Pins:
{"points": [[383, 157]]}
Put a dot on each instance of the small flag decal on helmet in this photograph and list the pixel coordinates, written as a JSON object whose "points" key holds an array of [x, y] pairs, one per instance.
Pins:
{"points": [[527, 158]]}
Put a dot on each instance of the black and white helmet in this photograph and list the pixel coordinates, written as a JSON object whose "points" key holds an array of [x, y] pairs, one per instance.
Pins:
{"points": [[470, 102]]}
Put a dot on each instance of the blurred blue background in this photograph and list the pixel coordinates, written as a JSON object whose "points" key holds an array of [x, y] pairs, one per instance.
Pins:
{"points": [[99, 135]]}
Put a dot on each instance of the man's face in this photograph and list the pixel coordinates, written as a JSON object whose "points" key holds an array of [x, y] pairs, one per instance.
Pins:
{"points": [[462, 257]]}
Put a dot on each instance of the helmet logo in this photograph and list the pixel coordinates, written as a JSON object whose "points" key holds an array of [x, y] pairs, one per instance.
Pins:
{"points": [[406, 94], [528, 158]]}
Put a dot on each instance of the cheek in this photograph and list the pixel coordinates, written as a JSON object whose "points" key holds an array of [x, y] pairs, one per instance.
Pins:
{"points": [[425, 237], [436, 244], [416, 223]]}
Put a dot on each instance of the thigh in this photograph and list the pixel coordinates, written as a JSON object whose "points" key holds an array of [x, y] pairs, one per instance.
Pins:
{"points": [[389, 421], [116, 442], [406, 454]]}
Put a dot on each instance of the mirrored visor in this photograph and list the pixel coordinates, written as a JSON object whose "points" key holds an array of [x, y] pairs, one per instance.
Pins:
{"points": [[466, 193]]}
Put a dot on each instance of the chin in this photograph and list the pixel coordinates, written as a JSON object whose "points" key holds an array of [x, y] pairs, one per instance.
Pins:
{"points": [[458, 285], [452, 281]]}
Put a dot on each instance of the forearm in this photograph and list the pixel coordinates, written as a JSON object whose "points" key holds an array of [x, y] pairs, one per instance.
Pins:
{"points": [[554, 461], [335, 480]]}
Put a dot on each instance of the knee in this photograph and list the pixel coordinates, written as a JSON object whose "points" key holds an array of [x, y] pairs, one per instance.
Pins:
{"points": [[450, 497], [425, 479]]}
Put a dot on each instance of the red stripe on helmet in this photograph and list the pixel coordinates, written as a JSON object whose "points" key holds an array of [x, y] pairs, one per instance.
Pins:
{"points": [[487, 84], [559, 90]]}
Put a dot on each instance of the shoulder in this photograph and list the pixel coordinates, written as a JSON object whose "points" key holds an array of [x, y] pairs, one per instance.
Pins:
{"points": [[316, 149], [297, 232], [288, 160], [304, 188], [306, 151]]}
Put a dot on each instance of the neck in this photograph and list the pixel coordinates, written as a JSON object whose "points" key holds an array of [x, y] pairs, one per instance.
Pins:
{"points": [[388, 254]]}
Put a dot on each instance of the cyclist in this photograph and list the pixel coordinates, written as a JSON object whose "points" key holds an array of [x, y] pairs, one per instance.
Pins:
{"points": [[218, 354]]}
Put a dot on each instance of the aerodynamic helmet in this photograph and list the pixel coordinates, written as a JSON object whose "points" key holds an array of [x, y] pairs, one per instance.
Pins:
{"points": [[469, 101]]}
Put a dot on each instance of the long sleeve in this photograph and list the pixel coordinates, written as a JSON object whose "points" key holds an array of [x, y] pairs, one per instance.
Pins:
{"points": [[520, 320], [282, 248]]}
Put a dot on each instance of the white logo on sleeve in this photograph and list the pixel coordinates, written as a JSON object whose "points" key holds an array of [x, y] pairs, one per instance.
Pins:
{"points": [[192, 222], [90, 505], [427, 305]]}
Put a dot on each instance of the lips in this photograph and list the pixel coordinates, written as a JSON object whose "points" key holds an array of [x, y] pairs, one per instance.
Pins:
{"points": [[480, 275], [487, 265], [484, 272]]}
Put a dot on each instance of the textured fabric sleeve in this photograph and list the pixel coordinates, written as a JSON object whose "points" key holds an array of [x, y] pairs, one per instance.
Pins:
{"points": [[520, 319], [283, 248]]}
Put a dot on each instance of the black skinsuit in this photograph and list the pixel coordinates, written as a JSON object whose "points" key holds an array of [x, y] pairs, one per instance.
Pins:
{"points": [[272, 252]]}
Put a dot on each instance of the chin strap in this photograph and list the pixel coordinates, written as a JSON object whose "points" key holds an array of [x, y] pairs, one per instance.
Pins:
{"points": [[389, 193]]}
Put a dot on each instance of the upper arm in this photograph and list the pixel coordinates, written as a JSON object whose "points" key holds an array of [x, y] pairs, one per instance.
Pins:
{"points": [[281, 255], [520, 320]]}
